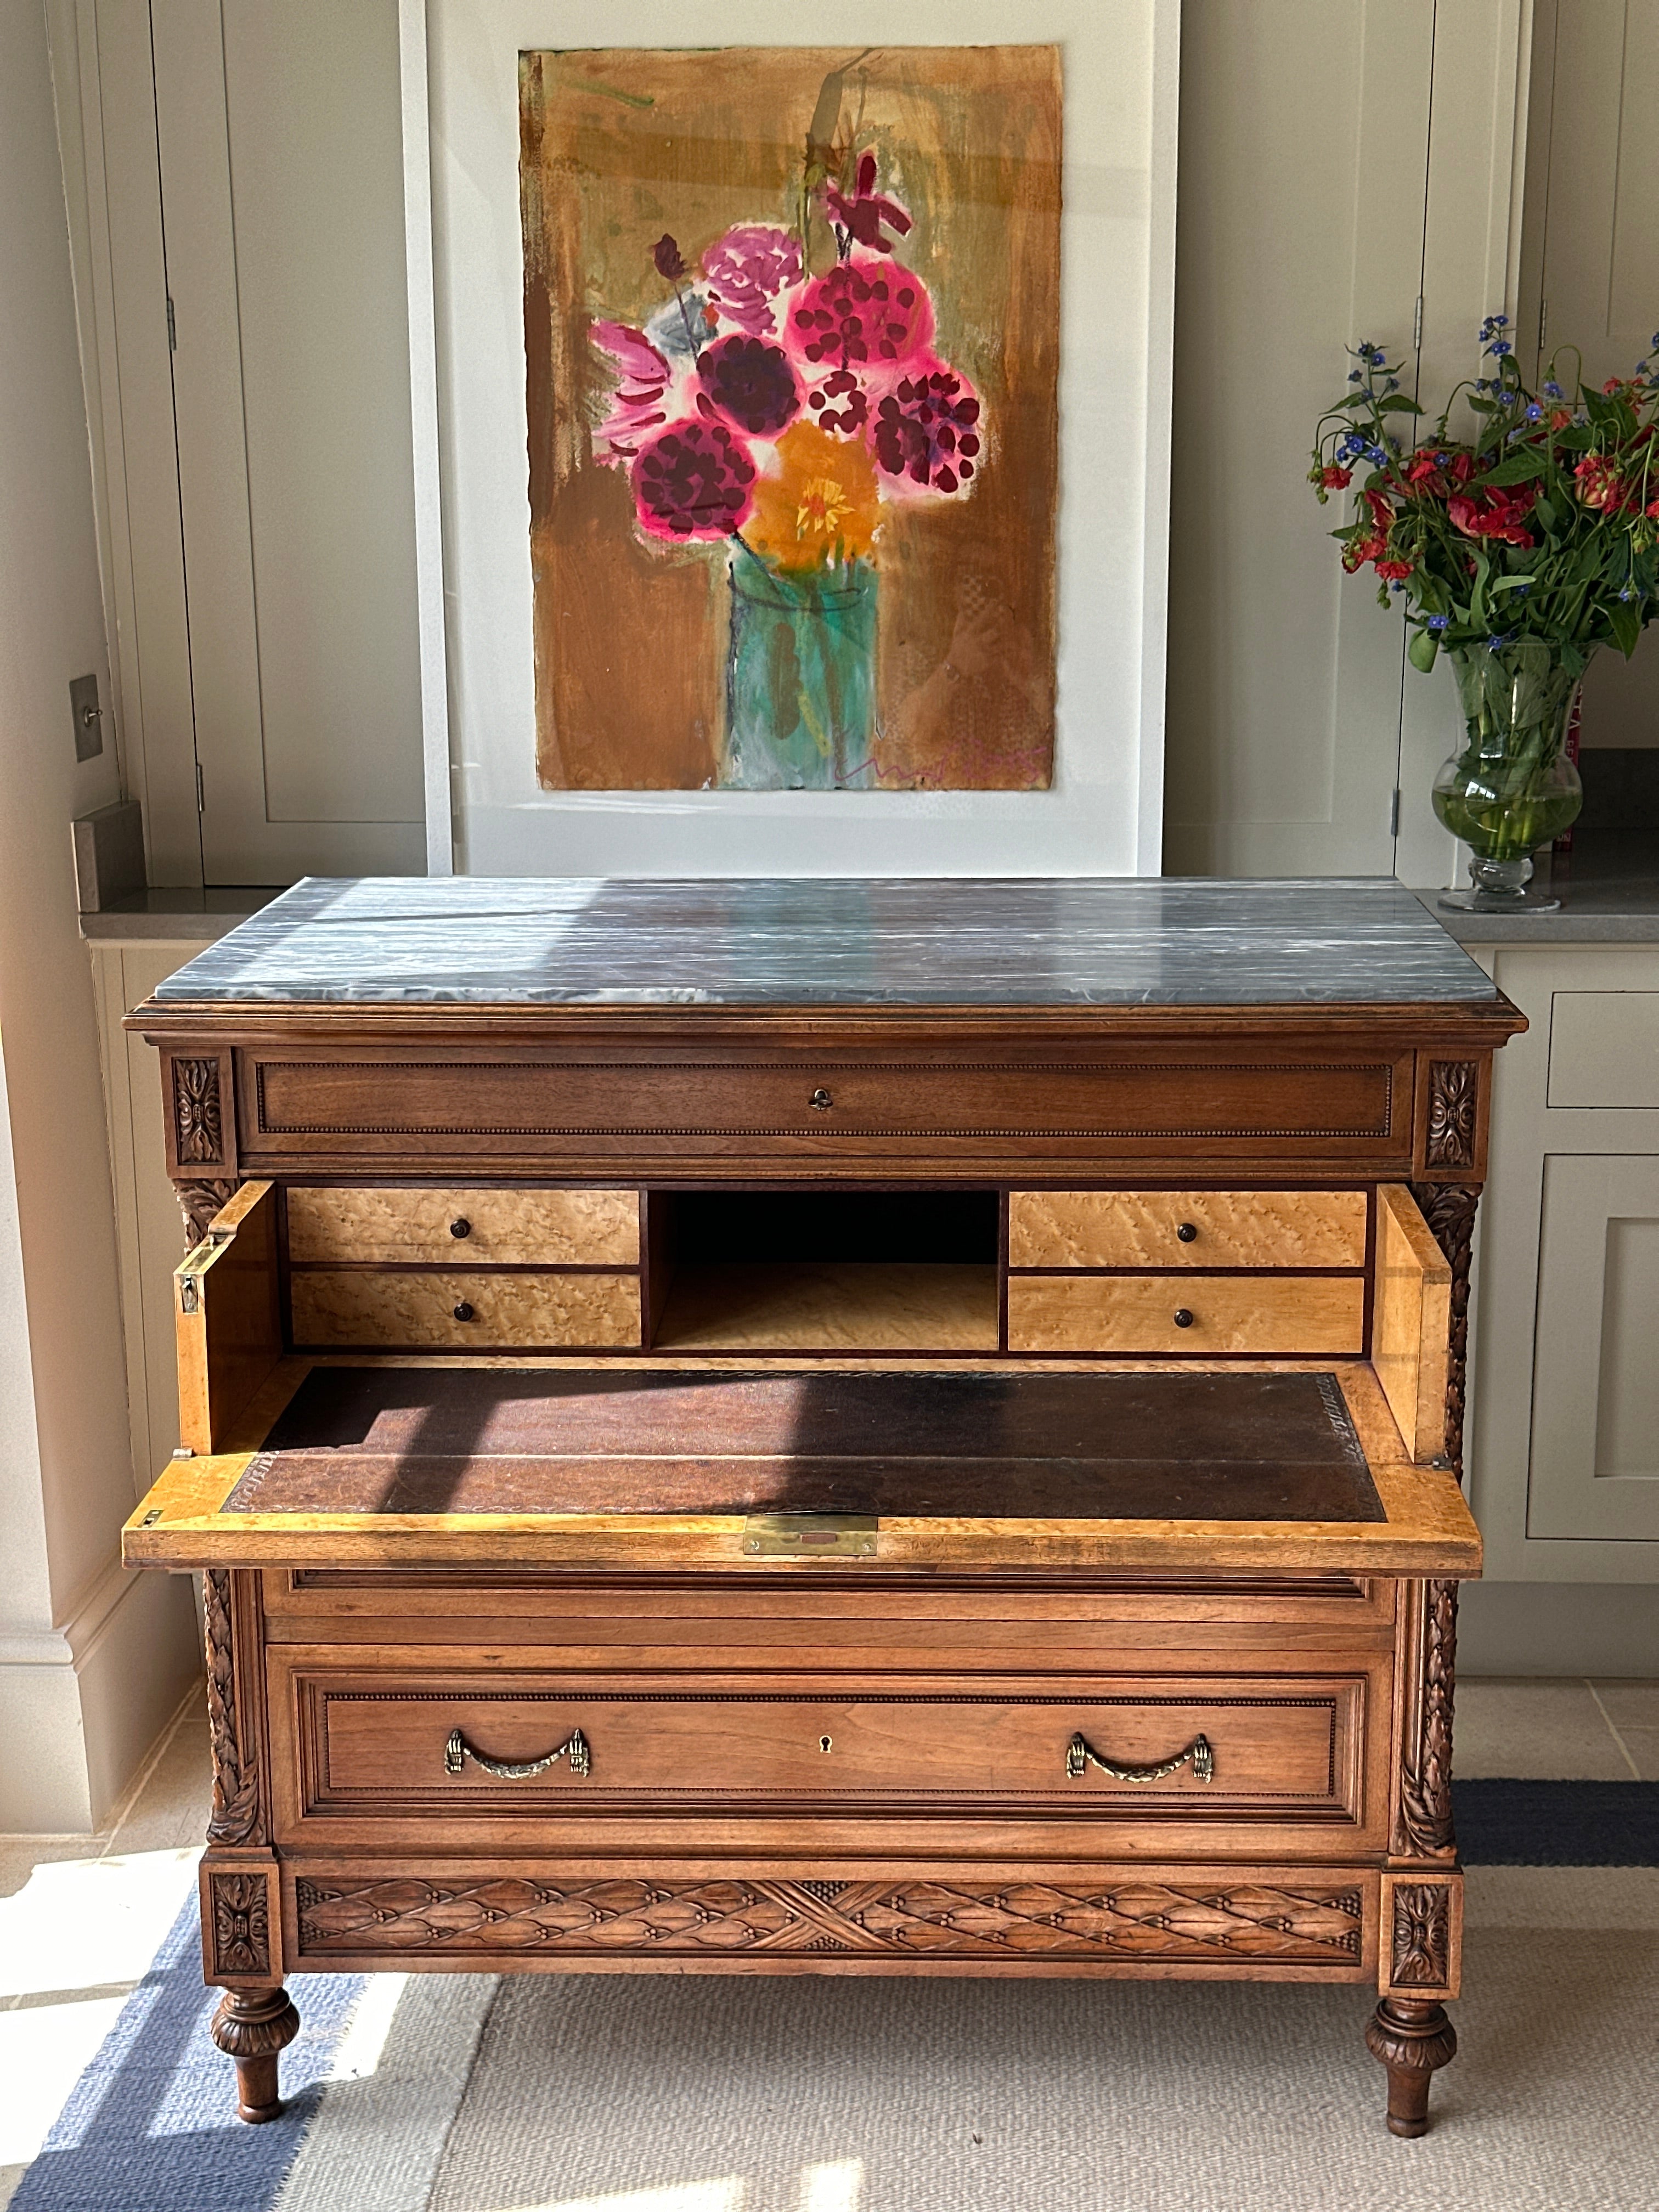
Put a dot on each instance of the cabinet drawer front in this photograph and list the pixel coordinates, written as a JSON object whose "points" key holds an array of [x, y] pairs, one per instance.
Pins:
{"points": [[530, 1228], [1286, 1314], [1227, 1229], [389, 1105], [1291, 1748], [364, 1306]]}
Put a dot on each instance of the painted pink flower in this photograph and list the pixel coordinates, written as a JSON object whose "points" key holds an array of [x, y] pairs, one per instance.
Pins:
{"points": [[746, 269], [840, 404], [694, 479], [637, 403], [750, 383], [862, 314], [926, 433]]}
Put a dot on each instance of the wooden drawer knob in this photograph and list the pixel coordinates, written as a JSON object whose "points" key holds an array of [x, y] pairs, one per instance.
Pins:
{"points": [[1182, 1318], [462, 1227], [464, 1311]]}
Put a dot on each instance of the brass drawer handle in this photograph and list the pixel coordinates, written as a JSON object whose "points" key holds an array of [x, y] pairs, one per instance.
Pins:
{"points": [[820, 1102], [457, 1751], [1080, 1756]]}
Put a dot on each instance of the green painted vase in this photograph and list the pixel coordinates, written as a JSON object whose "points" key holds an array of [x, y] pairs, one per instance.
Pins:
{"points": [[800, 678]]}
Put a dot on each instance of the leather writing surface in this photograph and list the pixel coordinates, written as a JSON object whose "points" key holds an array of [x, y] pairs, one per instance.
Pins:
{"points": [[1226, 1447]]}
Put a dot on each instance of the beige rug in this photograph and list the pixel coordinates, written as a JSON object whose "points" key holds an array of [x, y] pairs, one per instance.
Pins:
{"points": [[836, 2096]]}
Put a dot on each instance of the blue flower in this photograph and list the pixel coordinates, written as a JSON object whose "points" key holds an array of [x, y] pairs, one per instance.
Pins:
{"points": [[1552, 390], [1495, 642], [1395, 585], [1439, 622], [1627, 593], [1354, 376], [1655, 341], [1534, 413], [1500, 346], [1501, 320]]}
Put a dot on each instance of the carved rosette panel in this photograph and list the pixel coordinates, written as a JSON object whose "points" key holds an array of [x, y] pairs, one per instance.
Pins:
{"points": [[1425, 1824], [197, 1121], [1320, 1924], [1449, 1208], [1454, 1095], [199, 1202], [238, 1924], [235, 1815], [1421, 1936]]}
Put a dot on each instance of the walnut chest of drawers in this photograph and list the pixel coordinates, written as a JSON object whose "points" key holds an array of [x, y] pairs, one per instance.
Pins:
{"points": [[827, 1428]]}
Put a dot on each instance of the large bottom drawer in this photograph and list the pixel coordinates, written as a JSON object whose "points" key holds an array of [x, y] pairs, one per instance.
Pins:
{"points": [[449, 1753], [1259, 1923]]}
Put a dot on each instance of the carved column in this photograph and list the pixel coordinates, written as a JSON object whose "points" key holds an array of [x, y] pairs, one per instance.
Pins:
{"points": [[240, 1909]]}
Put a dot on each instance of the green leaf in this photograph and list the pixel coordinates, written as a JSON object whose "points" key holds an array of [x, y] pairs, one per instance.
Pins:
{"points": [[1625, 620], [1520, 468], [1424, 650], [1509, 583], [1546, 511], [1398, 404]]}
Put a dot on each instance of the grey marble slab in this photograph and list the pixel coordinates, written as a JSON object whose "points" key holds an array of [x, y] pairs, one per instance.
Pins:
{"points": [[931, 942], [836, 941]]}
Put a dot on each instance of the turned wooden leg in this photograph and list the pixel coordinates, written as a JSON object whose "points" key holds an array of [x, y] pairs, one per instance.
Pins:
{"points": [[1412, 2040], [252, 2026]]}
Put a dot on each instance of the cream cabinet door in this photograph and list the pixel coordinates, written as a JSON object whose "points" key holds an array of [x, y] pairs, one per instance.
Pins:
{"points": [[1595, 1468]]}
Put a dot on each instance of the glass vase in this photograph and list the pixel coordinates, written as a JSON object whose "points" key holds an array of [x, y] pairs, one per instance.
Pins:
{"points": [[801, 677], [1512, 788]]}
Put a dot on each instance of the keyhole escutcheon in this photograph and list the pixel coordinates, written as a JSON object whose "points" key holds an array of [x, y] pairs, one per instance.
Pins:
{"points": [[826, 1743]]}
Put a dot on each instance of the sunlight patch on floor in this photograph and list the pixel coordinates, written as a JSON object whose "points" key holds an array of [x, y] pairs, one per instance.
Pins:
{"points": [[724, 2195]]}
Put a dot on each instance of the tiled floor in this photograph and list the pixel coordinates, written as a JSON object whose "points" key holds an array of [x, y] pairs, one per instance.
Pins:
{"points": [[1539, 1731]]}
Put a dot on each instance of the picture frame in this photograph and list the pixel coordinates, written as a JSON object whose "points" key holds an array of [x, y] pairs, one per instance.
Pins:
{"points": [[488, 814]]}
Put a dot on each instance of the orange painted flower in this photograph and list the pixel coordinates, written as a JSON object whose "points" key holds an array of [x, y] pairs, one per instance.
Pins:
{"points": [[822, 506]]}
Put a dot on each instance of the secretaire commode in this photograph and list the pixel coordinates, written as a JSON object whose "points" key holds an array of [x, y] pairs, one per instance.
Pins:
{"points": [[828, 1427]]}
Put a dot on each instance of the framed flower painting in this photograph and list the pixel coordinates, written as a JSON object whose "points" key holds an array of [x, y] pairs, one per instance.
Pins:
{"points": [[792, 340], [791, 444]]}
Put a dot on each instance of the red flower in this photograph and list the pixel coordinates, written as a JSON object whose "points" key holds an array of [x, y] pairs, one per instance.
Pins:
{"points": [[1560, 417], [1425, 476], [1359, 550], [1382, 512], [751, 383], [926, 431], [1652, 509], [1334, 479], [1599, 484], [860, 314], [1462, 467], [1499, 514], [1396, 571]]}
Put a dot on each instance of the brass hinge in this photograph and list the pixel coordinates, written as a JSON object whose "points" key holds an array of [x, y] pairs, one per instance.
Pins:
{"points": [[810, 1535]]}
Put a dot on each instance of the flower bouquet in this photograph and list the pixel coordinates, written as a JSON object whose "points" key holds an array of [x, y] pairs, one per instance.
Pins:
{"points": [[784, 393], [1518, 550]]}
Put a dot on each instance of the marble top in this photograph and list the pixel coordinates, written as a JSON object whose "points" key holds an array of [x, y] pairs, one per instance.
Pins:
{"points": [[885, 941]]}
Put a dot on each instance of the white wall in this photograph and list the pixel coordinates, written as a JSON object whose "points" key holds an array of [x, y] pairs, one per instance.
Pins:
{"points": [[91, 1660]]}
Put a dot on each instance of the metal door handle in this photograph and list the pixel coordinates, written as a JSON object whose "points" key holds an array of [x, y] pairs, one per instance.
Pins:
{"points": [[821, 1101], [575, 1748], [1080, 1756]]}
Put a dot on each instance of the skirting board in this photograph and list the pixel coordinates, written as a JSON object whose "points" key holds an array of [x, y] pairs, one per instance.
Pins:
{"points": [[79, 1712], [1559, 1628]]}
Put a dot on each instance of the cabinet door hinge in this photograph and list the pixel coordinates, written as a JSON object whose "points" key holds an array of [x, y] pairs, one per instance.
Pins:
{"points": [[201, 799], [1417, 323], [173, 327], [1543, 322], [1393, 814]]}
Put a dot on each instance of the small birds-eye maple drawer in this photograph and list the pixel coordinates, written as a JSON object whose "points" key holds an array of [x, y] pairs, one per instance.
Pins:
{"points": [[464, 1311], [1187, 1229], [479, 1226], [1284, 1315]]}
